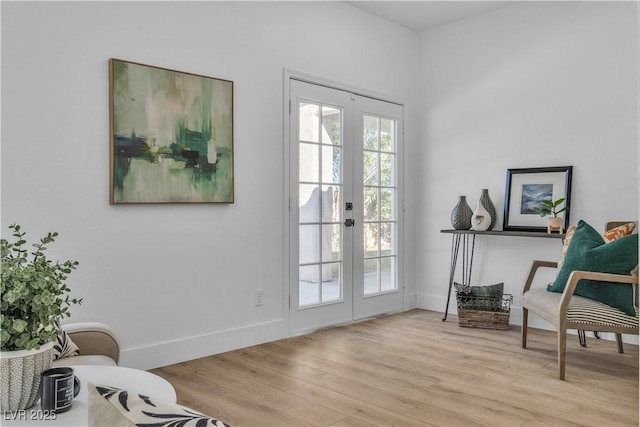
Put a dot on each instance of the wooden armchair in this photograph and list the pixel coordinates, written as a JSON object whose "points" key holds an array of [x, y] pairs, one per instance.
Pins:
{"points": [[568, 311]]}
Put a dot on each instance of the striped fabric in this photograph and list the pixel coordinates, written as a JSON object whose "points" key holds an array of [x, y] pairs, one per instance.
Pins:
{"points": [[590, 312], [581, 310]]}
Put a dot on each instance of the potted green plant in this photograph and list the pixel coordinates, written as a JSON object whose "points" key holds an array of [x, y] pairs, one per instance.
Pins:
{"points": [[35, 297], [552, 207]]}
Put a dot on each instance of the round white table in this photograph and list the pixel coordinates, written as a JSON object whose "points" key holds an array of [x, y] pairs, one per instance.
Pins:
{"points": [[135, 381]]}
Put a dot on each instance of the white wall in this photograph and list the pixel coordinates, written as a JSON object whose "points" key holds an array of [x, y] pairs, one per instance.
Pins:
{"points": [[175, 281], [531, 85]]}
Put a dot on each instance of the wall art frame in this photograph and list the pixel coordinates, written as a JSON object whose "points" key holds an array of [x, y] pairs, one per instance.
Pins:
{"points": [[171, 136], [525, 190]]}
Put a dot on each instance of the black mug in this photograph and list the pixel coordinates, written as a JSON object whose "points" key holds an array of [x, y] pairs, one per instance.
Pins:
{"points": [[58, 387]]}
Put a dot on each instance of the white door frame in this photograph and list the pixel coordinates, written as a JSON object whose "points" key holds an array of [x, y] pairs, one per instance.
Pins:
{"points": [[288, 75]]}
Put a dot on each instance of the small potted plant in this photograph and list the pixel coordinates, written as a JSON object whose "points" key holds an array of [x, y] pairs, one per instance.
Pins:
{"points": [[551, 207], [34, 299]]}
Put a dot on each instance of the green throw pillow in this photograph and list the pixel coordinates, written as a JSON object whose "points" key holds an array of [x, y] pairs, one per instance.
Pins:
{"points": [[484, 298], [489, 291], [589, 252]]}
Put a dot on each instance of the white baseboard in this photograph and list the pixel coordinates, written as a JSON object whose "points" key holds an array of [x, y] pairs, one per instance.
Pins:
{"points": [[180, 350], [189, 348]]}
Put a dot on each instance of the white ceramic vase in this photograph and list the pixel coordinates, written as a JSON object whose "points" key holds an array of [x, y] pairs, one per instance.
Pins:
{"points": [[20, 376], [489, 206], [481, 218]]}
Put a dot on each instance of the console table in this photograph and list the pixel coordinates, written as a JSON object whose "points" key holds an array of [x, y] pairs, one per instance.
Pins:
{"points": [[461, 238]]}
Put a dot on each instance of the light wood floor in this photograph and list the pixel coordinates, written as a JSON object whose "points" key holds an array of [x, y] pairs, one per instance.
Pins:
{"points": [[412, 369]]}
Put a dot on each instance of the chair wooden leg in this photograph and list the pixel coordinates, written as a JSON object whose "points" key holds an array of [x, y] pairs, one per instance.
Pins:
{"points": [[525, 318], [562, 351], [619, 340]]}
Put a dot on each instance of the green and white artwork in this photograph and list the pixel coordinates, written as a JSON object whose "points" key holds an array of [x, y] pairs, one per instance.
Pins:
{"points": [[171, 136]]}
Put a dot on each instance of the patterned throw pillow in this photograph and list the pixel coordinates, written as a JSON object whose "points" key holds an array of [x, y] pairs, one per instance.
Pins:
{"points": [[483, 298], [110, 406], [618, 232], [608, 236], [567, 240], [64, 346], [461, 288]]}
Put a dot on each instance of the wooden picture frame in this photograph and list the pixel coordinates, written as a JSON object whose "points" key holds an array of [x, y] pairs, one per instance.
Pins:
{"points": [[171, 136], [525, 190]]}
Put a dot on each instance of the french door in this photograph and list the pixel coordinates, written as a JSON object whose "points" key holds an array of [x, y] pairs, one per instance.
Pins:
{"points": [[344, 196]]}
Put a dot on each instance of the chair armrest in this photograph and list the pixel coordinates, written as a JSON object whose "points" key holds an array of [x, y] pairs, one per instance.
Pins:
{"points": [[534, 269], [577, 275], [94, 338]]}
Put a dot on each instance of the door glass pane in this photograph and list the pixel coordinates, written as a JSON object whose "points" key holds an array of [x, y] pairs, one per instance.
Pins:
{"points": [[371, 204], [387, 135], [371, 170], [371, 276], [309, 163], [387, 203], [371, 135], [331, 242], [309, 200], [387, 173], [387, 274], [309, 247], [331, 126], [309, 285], [387, 238], [331, 202], [309, 123], [371, 233], [331, 164], [331, 286]]}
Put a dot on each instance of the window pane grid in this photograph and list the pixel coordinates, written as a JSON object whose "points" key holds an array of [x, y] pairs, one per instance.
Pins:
{"points": [[379, 206], [320, 200]]}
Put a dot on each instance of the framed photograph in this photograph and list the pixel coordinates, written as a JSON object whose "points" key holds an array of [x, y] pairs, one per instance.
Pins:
{"points": [[171, 136], [527, 188]]}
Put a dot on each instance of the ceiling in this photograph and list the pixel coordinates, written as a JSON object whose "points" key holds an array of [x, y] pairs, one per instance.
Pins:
{"points": [[423, 15]]}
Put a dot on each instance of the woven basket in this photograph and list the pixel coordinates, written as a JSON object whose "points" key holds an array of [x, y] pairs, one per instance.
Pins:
{"points": [[495, 317]]}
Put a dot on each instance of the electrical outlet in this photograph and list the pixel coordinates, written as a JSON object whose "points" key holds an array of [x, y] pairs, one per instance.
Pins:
{"points": [[259, 296]]}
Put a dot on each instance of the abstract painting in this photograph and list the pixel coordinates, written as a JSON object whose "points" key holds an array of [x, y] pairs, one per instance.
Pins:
{"points": [[171, 136], [527, 188]]}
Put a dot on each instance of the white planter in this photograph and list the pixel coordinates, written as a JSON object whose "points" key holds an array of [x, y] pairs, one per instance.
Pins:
{"points": [[20, 376], [555, 223]]}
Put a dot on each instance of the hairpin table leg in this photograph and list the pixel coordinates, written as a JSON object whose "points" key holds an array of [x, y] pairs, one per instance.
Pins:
{"points": [[467, 262]]}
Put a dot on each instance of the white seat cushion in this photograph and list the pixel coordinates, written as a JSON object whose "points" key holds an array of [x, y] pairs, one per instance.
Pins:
{"points": [[90, 359]]}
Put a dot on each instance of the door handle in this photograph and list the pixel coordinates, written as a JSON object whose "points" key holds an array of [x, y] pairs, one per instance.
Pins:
{"points": [[349, 222]]}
